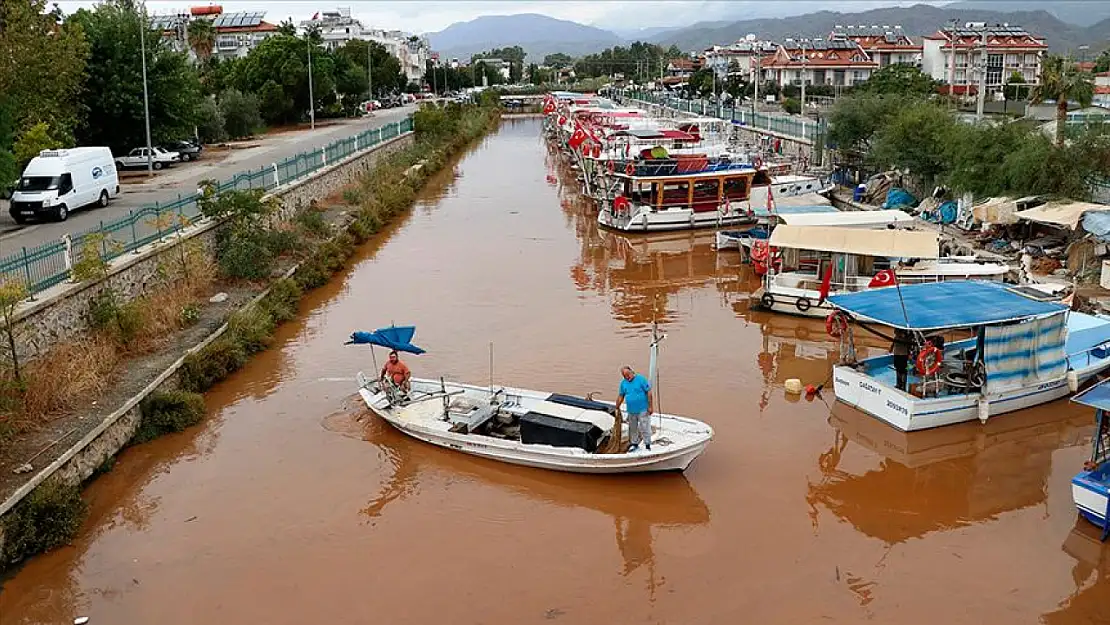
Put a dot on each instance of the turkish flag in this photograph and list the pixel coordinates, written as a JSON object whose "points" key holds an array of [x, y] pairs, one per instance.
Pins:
{"points": [[826, 284], [562, 120], [549, 107], [770, 200], [577, 138], [885, 277]]}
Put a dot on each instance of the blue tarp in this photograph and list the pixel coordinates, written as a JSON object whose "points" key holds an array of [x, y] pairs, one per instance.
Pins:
{"points": [[1098, 396], [899, 198], [1098, 224], [393, 337], [941, 305]]}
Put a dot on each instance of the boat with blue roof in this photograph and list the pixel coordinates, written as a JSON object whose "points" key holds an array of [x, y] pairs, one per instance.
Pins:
{"points": [[974, 350], [1090, 488]]}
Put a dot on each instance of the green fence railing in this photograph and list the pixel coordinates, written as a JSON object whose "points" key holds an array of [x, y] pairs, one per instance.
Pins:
{"points": [[782, 124], [43, 266]]}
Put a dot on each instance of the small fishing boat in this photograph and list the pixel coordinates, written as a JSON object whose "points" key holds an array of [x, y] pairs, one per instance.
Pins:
{"points": [[1090, 488], [1019, 351], [525, 427]]}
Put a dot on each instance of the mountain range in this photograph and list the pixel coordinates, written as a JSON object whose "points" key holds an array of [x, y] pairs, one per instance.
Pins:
{"points": [[540, 35]]}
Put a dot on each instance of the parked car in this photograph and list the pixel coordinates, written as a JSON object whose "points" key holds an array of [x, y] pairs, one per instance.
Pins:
{"points": [[58, 181], [188, 149], [138, 158]]}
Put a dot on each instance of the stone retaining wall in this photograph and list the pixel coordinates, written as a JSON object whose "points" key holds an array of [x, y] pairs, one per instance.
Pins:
{"points": [[61, 313]]}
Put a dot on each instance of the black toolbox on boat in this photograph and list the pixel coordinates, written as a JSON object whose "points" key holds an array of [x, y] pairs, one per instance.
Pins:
{"points": [[542, 429]]}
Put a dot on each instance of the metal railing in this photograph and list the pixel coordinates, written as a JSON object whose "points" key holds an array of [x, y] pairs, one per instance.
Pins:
{"points": [[783, 124], [43, 266]]}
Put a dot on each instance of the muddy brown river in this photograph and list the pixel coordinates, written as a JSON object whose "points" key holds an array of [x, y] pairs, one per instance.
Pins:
{"points": [[291, 505]]}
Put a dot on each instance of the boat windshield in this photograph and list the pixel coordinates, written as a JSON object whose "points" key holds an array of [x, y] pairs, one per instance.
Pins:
{"points": [[39, 183]]}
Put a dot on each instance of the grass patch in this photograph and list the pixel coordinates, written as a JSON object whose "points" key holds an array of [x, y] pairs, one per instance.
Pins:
{"points": [[47, 518], [167, 412]]}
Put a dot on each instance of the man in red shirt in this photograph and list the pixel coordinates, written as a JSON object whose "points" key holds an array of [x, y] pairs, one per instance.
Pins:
{"points": [[397, 372]]}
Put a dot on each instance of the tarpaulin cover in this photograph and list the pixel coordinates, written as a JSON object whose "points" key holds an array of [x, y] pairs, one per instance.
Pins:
{"points": [[1098, 224], [1024, 354], [393, 337], [847, 218], [942, 305], [899, 197], [1065, 214], [864, 242], [1098, 396]]}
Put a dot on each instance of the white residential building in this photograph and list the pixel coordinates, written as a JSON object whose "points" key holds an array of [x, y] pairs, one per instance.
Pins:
{"points": [[738, 58], [954, 56], [885, 44], [236, 33], [836, 62], [338, 27], [1102, 90], [502, 66]]}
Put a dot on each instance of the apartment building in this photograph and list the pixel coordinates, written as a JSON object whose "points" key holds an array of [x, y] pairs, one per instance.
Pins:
{"points": [[884, 44], [739, 58], [337, 27], [954, 55], [835, 62], [236, 33]]}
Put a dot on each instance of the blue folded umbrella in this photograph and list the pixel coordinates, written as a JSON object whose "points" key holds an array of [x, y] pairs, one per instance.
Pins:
{"points": [[393, 337]]}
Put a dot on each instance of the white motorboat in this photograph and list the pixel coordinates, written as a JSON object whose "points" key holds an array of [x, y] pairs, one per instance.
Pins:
{"points": [[526, 427]]}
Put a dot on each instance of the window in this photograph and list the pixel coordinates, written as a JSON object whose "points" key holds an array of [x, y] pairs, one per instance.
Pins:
{"points": [[736, 189], [674, 194], [66, 184], [1030, 59], [1011, 60]]}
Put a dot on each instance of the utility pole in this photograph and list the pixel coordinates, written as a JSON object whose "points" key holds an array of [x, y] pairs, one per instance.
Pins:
{"points": [[311, 101], [804, 61], [755, 86], [369, 72], [146, 96], [982, 79]]}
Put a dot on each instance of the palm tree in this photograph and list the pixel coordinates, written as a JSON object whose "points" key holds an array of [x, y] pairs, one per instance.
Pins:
{"points": [[202, 38], [1062, 81]]}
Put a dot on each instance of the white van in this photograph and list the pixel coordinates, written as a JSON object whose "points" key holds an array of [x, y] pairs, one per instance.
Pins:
{"points": [[59, 181]]}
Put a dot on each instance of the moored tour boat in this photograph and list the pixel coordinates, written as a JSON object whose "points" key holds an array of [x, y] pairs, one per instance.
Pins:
{"points": [[526, 427], [1090, 488]]}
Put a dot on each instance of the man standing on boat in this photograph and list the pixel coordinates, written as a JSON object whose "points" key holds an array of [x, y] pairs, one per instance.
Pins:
{"points": [[901, 352], [635, 393], [397, 371]]}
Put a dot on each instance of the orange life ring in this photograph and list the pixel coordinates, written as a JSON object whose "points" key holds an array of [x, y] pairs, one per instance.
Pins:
{"points": [[611, 167], [629, 168], [928, 359], [621, 204], [836, 324]]}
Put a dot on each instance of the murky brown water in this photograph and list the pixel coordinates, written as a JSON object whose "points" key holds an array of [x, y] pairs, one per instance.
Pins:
{"points": [[285, 508]]}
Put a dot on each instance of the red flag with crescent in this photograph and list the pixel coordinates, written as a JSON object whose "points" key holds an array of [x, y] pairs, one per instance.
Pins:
{"points": [[549, 107], [577, 138], [826, 284], [885, 277]]}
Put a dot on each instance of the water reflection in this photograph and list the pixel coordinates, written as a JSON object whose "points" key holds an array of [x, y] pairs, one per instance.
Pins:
{"points": [[1091, 574], [940, 479], [637, 504]]}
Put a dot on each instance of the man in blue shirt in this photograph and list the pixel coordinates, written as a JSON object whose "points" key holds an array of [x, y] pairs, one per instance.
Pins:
{"points": [[635, 392]]}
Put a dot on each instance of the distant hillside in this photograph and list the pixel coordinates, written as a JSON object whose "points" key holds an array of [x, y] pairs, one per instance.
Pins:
{"points": [[1078, 12], [916, 21], [539, 35]]}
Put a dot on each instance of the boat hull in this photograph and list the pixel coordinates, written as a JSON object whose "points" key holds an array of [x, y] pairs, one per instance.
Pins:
{"points": [[671, 219], [1090, 497], [662, 457], [909, 413]]}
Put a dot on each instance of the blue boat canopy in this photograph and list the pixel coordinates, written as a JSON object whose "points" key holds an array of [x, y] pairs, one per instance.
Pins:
{"points": [[943, 305], [1098, 396], [393, 337]]}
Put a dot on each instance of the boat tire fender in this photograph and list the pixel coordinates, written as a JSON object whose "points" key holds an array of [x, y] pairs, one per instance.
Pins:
{"points": [[928, 360], [612, 167], [767, 301], [803, 304], [629, 169]]}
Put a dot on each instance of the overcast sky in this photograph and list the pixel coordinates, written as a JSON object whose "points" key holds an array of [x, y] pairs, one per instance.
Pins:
{"points": [[422, 16]]}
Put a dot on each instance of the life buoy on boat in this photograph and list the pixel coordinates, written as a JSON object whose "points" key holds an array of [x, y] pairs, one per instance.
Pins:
{"points": [[767, 301], [803, 304], [760, 250], [611, 167], [836, 324], [629, 168], [928, 359], [621, 204]]}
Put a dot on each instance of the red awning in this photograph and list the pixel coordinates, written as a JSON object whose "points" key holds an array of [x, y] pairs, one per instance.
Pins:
{"points": [[677, 135]]}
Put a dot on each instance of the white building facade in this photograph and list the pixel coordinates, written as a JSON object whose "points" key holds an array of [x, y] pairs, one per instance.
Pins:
{"points": [[337, 27], [955, 55]]}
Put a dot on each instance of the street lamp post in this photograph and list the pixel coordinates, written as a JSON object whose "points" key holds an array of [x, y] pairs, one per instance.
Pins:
{"points": [[369, 74], [146, 96], [311, 100]]}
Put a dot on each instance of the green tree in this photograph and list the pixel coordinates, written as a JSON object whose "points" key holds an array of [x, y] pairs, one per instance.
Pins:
{"points": [[9, 169], [350, 67], [1015, 87], [12, 292], [32, 141], [915, 139], [202, 38], [42, 66], [113, 89], [210, 121], [1062, 82], [240, 113], [558, 60], [277, 71], [855, 120], [1102, 63], [899, 79]]}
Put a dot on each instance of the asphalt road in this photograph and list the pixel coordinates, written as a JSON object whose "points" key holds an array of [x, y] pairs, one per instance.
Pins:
{"points": [[182, 179]]}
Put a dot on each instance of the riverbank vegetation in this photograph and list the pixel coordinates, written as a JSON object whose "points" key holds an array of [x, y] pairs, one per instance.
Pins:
{"points": [[920, 133]]}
